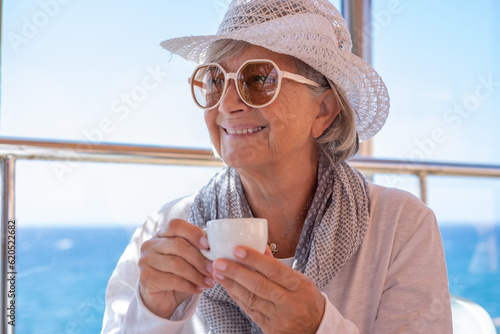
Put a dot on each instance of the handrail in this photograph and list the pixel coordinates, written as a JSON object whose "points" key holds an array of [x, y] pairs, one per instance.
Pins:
{"points": [[32, 149], [56, 150], [386, 166]]}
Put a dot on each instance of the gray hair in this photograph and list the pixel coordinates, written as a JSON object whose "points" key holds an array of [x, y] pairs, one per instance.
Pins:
{"points": [[340, 140]]}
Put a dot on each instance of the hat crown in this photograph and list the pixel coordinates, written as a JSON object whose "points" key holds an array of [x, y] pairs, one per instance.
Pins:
{"points": [[243, 14]]}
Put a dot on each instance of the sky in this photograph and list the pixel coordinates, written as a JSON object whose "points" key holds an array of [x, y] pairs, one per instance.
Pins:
{"points": [[93, 71]]}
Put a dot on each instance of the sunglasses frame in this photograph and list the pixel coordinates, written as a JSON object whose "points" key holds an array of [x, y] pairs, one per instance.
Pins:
{"points": [[234, 75]]}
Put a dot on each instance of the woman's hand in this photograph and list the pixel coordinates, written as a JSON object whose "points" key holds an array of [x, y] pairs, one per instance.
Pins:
{"points": [[172, 268], [278, 298]]}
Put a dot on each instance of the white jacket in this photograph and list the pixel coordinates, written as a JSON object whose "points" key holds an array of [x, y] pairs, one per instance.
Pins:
{"points": [[395, 283]]}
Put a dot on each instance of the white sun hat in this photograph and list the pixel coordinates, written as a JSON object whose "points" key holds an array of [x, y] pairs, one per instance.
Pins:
{"points": [[313, 31]]}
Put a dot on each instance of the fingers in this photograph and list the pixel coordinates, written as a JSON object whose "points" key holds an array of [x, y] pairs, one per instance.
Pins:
{"points": [[153, 281], [172, 267], [247, 284], [275, 271], [275, 296], [184, 241], [181, 228], [171, 260], [158, 267], [165, 254], [264, 301], [250, 301], [259, 311]]}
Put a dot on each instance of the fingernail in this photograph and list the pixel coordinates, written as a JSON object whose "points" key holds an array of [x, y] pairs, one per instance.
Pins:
{"points": [[240, 253], [200, 288], [219, 276], [210, 269], [209, 281], [204, 241], [219, 265]]}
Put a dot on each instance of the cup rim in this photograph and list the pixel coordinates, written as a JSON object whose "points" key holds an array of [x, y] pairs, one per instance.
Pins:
{"points": [[237, 220]]}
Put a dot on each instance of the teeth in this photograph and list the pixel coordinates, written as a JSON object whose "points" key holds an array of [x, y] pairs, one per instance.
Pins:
{"points": [[243, 131]]}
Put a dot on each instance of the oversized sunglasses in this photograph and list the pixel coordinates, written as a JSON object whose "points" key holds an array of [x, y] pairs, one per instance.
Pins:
{"points": [[258, 82]]}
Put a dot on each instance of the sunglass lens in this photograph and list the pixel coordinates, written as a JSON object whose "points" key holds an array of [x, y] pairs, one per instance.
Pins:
{"points": [[258, 83], [208, 85]]}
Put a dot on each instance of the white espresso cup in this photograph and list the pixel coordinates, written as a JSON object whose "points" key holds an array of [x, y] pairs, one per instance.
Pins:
{"points": [[225, 234]]}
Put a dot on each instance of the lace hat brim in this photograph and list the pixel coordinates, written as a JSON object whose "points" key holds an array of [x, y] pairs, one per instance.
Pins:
{"points": [[312, 38]]}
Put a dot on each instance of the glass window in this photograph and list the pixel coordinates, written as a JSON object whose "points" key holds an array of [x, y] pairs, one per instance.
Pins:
{"points": [[71, 231], [65, 76], [440, 62], [93, 72]]}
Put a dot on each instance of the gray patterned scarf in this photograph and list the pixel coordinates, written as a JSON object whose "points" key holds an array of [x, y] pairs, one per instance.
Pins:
{"points": [[333, 231]]}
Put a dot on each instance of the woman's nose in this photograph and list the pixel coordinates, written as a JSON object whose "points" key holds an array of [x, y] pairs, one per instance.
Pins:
{"points": [[230, 100]]}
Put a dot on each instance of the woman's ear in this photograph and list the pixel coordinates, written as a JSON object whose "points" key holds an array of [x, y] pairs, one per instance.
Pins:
{"points": [[329, 109]]}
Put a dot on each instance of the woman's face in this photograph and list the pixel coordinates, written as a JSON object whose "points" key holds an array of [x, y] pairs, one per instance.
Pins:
{"points": [[281, 133]]}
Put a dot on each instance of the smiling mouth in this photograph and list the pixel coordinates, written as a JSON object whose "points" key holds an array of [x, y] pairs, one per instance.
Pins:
{"points": [[244, 131]]}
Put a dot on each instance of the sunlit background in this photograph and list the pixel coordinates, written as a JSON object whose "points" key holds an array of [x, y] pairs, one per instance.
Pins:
{"points": [[93, 71]]}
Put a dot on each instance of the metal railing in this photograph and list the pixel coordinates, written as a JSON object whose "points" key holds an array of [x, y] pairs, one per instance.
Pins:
{"points": [[13, 149]]}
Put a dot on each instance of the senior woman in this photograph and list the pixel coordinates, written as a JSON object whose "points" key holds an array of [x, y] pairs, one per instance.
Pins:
{"points": [[286, 103]]}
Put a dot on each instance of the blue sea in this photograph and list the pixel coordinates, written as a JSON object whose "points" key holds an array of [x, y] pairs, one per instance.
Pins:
{"points": [[63, 272]]}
